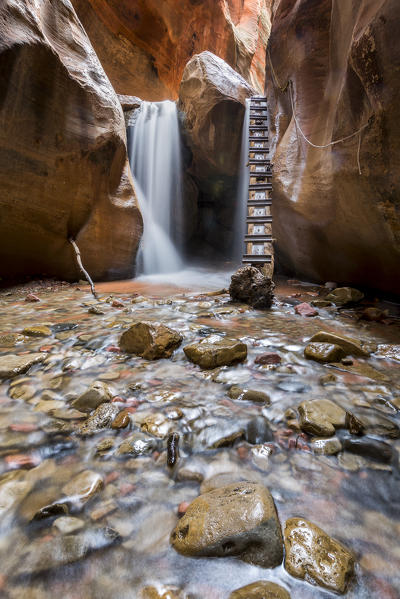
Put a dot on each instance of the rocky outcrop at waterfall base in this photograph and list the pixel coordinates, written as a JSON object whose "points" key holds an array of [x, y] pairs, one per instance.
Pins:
{"points": [[251, 286], [64, 170], [212, 98], [145, 45], [342, 58]]}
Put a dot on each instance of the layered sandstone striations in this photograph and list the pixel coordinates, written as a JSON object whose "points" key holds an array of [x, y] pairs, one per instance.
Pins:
{"points": [[212, 99], [145, 45], [63, 162], [332, 223]]}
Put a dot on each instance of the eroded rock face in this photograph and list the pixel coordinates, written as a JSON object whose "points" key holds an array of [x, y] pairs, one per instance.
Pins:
{"points": [[212, 98], [330, 222], [151, 341], [313, 555], [63, 162], [144, 46], [250, 285], [237, 520]]}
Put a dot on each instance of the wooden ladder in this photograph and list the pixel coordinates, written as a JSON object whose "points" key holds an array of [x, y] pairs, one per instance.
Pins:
{"points": [[258, 237]]}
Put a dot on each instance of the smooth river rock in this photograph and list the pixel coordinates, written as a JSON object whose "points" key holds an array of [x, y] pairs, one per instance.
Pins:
{"points": [[11, 365], [313, 555], [344, 295], [237, 520], [214, 351], [83, 486], [324, 352], [150, 340], [260, 590], [96, 394], [321, 417], [350, 346]]}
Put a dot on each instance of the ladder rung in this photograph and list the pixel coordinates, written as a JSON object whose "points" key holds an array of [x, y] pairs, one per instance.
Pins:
{"points": [[259, 219], [262, 258], [257, 238], [259, 203]]}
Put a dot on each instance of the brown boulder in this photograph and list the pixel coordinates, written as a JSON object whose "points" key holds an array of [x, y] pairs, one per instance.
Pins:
{"points": [[63, 160], [151, 341], [314, 556], [237, 520], [260, 590], [145, 45], [330, 222], [214, 351], [251, 286]]}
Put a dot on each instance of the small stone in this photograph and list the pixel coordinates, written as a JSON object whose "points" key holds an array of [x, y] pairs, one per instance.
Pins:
{"points": [[98, 393], [347, 361], [103, 509], [182, 508], [21, 460], [354, 425], [117, 304], [256, 396], [350, 346], [344, 295], [137, 445], [320, 303], [49, 511], [157, 425], [96, 310], [10, 339], [105, 445], [373, 314], [68, 524], [174, 413], [321, 417], [24, 392], [235, 392], [214, 351], [260, 590], [250, 286], [151, 341], [237, 520], [31, 297], [324, 352], [330, 446], [38, 331], [314, 556], [11, 365], [368, 447], [83, 486], [327, 379], [122, 420], [305, 309], [268, 358], [100, 419]]}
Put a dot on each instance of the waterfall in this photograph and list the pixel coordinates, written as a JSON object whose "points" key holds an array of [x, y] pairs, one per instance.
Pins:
{"points": [[243, 190], [155, 159]]}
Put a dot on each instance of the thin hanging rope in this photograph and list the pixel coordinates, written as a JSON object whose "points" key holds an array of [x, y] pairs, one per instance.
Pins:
{"points": [[332, 143]]}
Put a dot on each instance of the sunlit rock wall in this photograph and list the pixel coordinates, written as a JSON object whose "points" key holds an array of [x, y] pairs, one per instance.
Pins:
{"points": [[331, 223], [63, 160], [145, 45]]}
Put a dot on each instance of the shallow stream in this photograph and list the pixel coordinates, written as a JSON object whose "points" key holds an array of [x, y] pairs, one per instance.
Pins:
{"points": [[353, 498]]}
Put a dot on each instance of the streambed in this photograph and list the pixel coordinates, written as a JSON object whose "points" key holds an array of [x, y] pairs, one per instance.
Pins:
{"points": [[122, 530]]}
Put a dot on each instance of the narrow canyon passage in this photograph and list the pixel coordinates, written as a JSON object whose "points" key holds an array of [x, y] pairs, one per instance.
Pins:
{"points": [[199, 299]]}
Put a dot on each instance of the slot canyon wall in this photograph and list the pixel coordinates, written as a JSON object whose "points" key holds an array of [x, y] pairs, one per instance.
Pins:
{"points": [[330, 222], [63, 160], [145, 45]]}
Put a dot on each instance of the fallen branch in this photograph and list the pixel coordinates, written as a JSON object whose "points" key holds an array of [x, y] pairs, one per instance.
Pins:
{"points": [[81, 268]]}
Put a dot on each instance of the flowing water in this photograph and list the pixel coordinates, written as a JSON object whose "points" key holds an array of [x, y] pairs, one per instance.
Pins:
{"points": [[115, 541], [243, 189], [155, 159]]}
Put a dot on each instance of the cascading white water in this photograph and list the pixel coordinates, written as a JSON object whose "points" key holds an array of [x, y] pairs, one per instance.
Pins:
{"points": [[155, 159], [243, 190]]}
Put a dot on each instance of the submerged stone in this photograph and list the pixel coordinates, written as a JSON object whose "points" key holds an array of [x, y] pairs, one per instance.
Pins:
{"points": [[326, 446], [313, 555], [150, 340], [101, 418], [350, 346], [324, 352], [40, 556], [344, 295], [96, 394], [237, 520], [251, 286], [83, 486], [37, 331], [11, 365], [321, 417], [260, 590], [214, 351]]}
